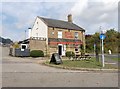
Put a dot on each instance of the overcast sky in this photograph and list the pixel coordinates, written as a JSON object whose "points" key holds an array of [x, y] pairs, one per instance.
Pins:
{"points": [[18, 16]]}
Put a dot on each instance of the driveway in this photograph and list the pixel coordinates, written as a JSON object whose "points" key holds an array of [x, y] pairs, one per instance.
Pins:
{"points": [[26, 72]]}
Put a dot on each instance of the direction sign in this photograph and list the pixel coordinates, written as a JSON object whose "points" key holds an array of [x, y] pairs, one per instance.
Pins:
{"points": [[102, 36]]}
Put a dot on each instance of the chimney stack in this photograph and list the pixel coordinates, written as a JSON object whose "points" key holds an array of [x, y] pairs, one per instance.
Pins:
{"points": [[29, 32], [70, 18]]}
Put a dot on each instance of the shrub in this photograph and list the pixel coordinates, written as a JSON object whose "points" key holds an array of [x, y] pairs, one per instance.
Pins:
{"points": [[16, 45], [70, 54], [37, 53]]}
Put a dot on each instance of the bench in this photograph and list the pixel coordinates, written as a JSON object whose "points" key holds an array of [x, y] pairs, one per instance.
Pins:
{"points": [[81, 57]]}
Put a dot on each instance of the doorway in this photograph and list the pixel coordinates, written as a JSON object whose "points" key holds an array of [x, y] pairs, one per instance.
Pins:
{"points": [[60, 49]]}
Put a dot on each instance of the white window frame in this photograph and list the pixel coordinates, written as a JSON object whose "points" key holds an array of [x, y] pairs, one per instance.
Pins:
{"points": [[76, 35], [59, 34]]}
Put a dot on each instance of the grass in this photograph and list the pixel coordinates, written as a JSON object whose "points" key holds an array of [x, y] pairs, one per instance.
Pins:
{"points": [[92, 63]]}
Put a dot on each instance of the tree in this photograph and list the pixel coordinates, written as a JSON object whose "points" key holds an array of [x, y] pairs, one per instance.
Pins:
{"points": [[111, 42]]}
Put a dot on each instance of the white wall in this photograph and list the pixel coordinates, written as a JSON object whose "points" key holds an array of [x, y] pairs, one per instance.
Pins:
{"points": [[39, 29], [29, 33]]}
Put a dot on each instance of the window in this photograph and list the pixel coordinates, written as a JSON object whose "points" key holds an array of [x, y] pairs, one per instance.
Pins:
{"points": [[76, 35], [23, 46], [36, 34], [52, 33], [59, 34]]}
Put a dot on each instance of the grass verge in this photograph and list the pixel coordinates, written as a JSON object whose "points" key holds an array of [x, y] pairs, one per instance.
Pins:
{"points": [[91, 63]]}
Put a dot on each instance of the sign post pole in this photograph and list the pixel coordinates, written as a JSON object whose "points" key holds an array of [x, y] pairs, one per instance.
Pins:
{"points": [[102, 37], [103, 61]]}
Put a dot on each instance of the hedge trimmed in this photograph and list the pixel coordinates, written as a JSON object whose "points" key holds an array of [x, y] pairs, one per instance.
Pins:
{"points": [[70, 54], [37, 53]]}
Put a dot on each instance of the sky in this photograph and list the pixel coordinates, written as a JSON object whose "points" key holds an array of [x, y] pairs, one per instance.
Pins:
{"points": [[92, 15]]}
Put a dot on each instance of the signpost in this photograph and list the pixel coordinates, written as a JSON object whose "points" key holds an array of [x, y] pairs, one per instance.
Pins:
{"points": [[102, 37], [94, 49]]}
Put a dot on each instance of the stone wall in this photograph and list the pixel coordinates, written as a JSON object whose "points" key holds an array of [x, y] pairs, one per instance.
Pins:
{"points": [[53, 33], [38, 45]]}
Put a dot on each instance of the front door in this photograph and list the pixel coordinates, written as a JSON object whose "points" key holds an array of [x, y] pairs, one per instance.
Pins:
{"points": [[60, 49]]}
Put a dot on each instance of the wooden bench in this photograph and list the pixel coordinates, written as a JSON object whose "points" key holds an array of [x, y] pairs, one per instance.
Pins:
{"points": [[81, 57]]}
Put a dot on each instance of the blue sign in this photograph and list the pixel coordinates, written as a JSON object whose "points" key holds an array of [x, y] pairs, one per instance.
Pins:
{"points": [[102, 36]]}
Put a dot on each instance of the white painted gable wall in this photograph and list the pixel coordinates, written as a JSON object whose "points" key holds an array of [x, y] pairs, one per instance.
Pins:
{"points": [[40, 29]]}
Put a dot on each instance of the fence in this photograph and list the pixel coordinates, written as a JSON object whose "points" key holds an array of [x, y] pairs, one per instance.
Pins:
{"points": [[18, 53]]}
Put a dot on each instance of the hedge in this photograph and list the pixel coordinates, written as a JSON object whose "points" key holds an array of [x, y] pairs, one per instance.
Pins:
{"points": [[37, 53], [70, 54]]}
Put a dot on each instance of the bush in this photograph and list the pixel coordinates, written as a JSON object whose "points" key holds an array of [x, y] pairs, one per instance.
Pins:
{"points": [[37, 53], [70, 54], [16, 45]]}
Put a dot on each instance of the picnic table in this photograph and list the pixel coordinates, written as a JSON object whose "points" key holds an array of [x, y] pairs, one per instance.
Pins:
{"points": [[81, 57]]}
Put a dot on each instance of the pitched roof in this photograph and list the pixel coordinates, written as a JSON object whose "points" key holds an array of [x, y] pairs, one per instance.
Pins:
{"points": [[60, 24]]}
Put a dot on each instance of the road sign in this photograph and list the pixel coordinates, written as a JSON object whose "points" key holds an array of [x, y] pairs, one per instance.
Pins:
{"points": [[102, 36]]}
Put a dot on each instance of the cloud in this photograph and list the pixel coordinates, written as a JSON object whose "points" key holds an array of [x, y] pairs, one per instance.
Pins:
{"points": [[23, 12], [39, 0], [22, 15], [18, 16], [79, 7], [93, 14]]}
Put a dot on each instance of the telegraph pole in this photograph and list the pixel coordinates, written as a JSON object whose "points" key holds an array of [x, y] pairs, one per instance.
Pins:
{"points": [[100, 40], [25, 34], [94, 48]]}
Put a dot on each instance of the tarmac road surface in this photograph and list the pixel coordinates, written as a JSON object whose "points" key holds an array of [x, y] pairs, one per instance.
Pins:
{"points": [[24, 72]]}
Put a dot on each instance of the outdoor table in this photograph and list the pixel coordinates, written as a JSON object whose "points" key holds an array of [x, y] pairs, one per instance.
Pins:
{"points": [[81, 57]]}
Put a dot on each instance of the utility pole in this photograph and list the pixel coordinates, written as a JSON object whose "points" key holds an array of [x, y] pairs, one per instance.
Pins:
{"points": [[100, 40], [25, 34], [94, 48]]}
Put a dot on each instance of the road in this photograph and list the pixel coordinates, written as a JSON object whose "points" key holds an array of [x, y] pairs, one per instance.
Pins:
{"points": [[109, 59], [26, 72]]}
